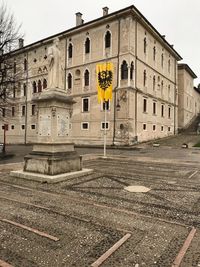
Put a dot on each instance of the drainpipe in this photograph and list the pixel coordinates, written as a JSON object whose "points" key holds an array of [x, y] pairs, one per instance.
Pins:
{"points": [[26, 105], [115, 90], [175, 98], [136, 78], [65, 69]]}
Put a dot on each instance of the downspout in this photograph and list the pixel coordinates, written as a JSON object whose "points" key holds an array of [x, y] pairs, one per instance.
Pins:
{"points": [[175, 99], [26, 105], [136, 80], [65, 69], [117, 85]]}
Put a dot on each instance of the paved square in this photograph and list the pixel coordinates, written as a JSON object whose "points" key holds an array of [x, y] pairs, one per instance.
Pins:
{"points": [[91, 214]]}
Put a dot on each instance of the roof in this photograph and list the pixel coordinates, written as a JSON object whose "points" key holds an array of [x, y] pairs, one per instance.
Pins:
{"points": [[131, 9], [184, 66]]}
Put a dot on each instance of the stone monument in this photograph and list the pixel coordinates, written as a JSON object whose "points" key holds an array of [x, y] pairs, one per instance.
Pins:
{"points": [[53, 157]]}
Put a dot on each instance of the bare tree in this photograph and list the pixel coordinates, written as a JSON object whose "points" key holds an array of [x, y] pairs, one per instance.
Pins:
{"points": [[9, 39]]}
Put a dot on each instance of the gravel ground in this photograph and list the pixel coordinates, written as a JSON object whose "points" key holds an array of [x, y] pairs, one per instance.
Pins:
{"points": [[90, 214]]}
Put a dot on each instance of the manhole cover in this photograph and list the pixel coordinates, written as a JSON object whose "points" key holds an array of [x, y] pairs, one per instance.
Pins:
{"points": [[137, 189]]}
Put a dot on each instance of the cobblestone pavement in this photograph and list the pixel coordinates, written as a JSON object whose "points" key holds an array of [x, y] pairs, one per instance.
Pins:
{"points": [[92, 213]]}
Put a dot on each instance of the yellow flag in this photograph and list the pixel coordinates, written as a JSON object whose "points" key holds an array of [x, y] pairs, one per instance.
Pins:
{"points": [[104, 81]]}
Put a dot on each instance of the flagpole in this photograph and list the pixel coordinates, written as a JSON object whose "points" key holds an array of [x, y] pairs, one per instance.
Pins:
{"points": [[104, 145]]}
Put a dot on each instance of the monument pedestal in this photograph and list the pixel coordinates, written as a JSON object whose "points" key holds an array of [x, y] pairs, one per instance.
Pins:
{"points": [[53, 157]]}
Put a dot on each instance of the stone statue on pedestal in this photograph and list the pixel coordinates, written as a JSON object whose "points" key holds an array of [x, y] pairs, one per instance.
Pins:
{"points": [[55, 68]]}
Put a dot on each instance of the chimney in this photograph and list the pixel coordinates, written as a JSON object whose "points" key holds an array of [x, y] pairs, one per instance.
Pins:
{"points": [[79, 20], [105, 11], [21, 42]]}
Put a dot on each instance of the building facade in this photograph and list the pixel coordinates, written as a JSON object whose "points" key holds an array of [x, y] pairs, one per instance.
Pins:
{"points": [[145, 82], [188, 96]]}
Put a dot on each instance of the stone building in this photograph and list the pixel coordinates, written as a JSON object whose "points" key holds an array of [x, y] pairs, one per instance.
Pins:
{"points": [[188, 96], [145, 84]]}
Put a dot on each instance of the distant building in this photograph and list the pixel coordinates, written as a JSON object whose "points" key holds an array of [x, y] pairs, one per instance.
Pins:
{"points": [[188, 96], [145, 94]]}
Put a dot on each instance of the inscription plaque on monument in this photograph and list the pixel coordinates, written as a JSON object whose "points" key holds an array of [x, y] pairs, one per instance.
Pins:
{"points": [[44, 125], [63, 124]]}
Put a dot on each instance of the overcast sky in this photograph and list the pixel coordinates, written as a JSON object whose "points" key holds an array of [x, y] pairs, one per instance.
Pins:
{"points": [[177, 19]]}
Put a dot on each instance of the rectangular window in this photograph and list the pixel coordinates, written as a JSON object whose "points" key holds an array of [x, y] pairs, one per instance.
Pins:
{"points": [[154, 127], [169, 112], [3, 112], [154, 108], [23, 126], [162, 128], [103, 125], [13, 111], [145, 105], [14, 92], [84, 126], [33, 110], [3, 127], [24, 89], [144, 126], [85, 104], [162, 110], [33, 126], [106, 105], [12, 127], [169, 129], [23, 110]]}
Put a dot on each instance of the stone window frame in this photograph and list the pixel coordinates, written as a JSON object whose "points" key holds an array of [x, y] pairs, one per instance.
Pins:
{"points": [[13, 111], [145, 45], [70, 50], [83, 103], [144, 105], [108, 104], [87, 45], [154, 108], [34, 85], [85, 123], [144, 127], [108, 42], [124, 70], [33, 110], [69, 80], [23, 110], [132, 68], [86, 79], [162, 110], [103, 125]]}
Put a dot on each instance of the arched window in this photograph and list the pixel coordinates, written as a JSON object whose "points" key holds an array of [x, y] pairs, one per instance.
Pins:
{"points": [[34, 87], [39, 86], [87, 45], [145, 45], [144, 78], [124, 70], [44, 83], [131, 70], [70, 50], [69, 81], [87, 78], [108, 39]]}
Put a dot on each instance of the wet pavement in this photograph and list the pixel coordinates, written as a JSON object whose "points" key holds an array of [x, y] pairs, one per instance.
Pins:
{"points": [[88, 216]]}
